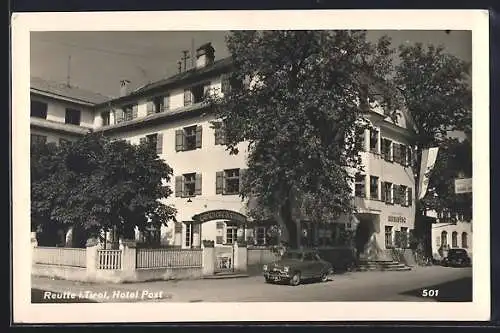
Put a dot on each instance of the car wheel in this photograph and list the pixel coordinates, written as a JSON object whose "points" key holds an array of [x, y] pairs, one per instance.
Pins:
{"points": [[295, 280], [324, 277]]}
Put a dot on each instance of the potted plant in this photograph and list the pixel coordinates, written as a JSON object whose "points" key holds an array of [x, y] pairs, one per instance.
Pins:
{"points": [[208, 243]]}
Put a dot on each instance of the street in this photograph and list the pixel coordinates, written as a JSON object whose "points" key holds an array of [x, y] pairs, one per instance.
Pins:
{"points": [[434, 283]]}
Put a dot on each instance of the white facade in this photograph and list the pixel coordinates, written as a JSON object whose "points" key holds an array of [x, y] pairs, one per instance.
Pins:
{"points": [[452, 235]]}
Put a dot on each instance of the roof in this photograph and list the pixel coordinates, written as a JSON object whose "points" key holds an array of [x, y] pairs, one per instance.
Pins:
{"points": [[61, 90], [184, 77]]}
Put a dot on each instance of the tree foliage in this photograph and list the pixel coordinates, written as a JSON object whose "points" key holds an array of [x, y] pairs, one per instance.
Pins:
{"points": [[96, 184], [295, 99], [454, 161], [435, 86]]}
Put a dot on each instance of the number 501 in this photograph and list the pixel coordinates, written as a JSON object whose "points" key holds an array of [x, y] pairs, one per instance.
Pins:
{"points": [[430, 292]]}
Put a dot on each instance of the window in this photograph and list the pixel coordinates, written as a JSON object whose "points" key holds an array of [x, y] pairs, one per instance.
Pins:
{"points": [[374, 187], [188, 240], [454, 239], [130, 112], [396, 152], [39, 109], [72, 117], [386, 149], [105, 118], [231, 234], [36, 139], [404, 238], [151, 236], [260, 235], [220, 136], [188, 185], [359, 185], [374, 141], [229, 181], [387, 192], [444, 238], [465, 243], [188, 138], [195, 94], [400, 195], [388, 237], [156, 140]]}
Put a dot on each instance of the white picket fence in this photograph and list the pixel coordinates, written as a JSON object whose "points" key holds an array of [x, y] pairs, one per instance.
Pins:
{"points": [[168, 258], [109, 259], [60, 256]]}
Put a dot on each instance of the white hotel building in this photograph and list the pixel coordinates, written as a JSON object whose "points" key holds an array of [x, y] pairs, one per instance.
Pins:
{"points": [[206, 176]]}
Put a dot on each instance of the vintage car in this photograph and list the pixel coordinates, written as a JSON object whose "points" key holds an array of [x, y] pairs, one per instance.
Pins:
{"points": [[457, 257], [296, 266]]}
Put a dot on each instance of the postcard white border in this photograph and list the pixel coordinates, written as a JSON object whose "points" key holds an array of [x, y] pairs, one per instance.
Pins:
{"points": [[24, 23]]}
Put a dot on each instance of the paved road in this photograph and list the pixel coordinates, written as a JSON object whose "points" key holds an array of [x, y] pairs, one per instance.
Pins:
{"points": [[453, 284]]}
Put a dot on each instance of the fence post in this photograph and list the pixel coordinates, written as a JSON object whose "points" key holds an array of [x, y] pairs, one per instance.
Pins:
{"points": [[208, 260], [91, 259], [241, 259], [129, 258]]}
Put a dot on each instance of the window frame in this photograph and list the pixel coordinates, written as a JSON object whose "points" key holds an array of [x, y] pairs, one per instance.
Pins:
{"points": [[185, 183], [233, 177], [39, 103], [388, 237], [233, 229], [360, 182], [70, 116], [377, 197]]}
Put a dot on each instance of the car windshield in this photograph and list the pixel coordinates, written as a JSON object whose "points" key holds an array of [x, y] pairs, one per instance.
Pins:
{"points": [[293, 255]]}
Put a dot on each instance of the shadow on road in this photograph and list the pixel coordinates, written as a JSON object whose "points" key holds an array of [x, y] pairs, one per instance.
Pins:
{"points": [[37, 297], [452, 291]]}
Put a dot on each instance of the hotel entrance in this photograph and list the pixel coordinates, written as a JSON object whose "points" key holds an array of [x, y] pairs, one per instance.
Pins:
{"points": [[222, 229], [365, 239]]}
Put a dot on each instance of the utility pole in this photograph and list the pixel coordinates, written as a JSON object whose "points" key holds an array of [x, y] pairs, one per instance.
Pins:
{"points": [[185, 57]]}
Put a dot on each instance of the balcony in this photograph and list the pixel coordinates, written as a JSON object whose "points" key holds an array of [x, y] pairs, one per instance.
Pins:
{"points": [[366, 205]]}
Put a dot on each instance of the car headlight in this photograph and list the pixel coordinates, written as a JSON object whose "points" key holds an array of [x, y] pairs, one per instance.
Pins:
{"points": [[286, 269], [264, 267]]}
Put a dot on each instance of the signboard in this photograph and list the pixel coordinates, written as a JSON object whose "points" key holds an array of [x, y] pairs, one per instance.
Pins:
{"points": [[220, 214], [396, 219], [463, 185]]}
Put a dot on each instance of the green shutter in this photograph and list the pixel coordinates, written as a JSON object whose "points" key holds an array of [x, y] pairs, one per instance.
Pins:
{"points": [[179, 140], [159, 143], [197, 185], [198, 136], [219, 182], [150, 108], [178, 186]]}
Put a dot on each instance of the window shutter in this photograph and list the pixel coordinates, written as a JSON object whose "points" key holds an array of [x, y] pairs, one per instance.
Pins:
{"points": [[242, 175], [166, 103], [188, 97], [198, 136], [197, 185], [383, 198], [179, 140], [219, 182], [410, 197], [178, 186], [409, 157], [150, 108], [118, 116], [143, 140], [159, 143], [135, 111]]}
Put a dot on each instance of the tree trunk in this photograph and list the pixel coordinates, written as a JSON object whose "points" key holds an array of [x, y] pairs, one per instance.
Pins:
{"points": [[290, 224]]}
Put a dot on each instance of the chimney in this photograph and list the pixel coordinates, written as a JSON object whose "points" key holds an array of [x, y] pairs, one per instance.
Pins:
{"points": [[205, 55], [124, 87]]}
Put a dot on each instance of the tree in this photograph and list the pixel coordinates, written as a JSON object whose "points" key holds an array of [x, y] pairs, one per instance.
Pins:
{"points": [[297, 99], [436, 92], [454, 161], [95, 185]]}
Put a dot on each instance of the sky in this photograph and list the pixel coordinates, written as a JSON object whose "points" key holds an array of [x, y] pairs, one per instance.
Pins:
{"points": [[97, 61]]}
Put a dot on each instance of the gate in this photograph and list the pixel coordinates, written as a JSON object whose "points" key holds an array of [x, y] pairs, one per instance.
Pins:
{"points": [[224, 258]]}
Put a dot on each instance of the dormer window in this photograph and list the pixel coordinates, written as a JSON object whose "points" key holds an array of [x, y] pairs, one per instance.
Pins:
{"points": [[196, 94]]}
